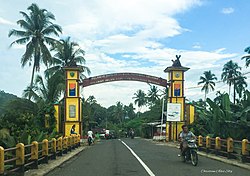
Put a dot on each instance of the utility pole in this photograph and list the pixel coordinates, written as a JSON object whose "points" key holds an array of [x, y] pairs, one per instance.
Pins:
{"points": [[162, 114], [106, 122]]}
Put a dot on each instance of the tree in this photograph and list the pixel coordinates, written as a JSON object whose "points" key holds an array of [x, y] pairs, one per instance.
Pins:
{"points": [[153, 96], [223, 118], [230, 72], [37, 28], [67, 54], [91, 100], [129, 111], [45, 92], [247, 57], [89, 110], [240, 85], [20, 116], [140, 98], [118, 112], [208, 82]]}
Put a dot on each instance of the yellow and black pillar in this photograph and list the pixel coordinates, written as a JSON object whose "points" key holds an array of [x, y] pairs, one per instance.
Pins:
{"points": [[73, 105], [176, 95], [57, 116]]}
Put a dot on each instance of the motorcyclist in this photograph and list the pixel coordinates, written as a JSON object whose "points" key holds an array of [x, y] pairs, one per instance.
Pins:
{"points": [[132, 133], [184, 136], [90, 134]]}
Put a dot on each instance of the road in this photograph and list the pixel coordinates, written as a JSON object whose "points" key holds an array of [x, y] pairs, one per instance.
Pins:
{"points": [[139, 157]]}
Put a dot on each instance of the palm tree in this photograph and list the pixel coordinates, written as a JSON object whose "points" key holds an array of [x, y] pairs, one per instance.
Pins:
{"points": [[67, 54], [140, 99], [229, 74], [153, 95], [208, 82], [129, 111], [91, 100], [45, 92], [37, 29], [240, 85], [247, 57]]}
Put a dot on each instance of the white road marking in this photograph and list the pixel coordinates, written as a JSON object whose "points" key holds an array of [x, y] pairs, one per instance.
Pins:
{"points": [[139, 159]]}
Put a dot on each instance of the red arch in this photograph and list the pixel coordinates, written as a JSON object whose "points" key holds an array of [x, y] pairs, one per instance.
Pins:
{"points": [[124, 77]]}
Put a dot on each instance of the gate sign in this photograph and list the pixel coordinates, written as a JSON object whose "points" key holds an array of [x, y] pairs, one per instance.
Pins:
{"points": [[174, 112]]}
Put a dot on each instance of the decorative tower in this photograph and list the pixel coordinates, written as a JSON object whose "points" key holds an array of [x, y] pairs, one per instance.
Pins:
{"points": [[73, 102], [176, 95]]}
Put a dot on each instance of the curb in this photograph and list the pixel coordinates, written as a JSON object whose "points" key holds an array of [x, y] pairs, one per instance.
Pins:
{"points": [[232, 162], [44, 169]]}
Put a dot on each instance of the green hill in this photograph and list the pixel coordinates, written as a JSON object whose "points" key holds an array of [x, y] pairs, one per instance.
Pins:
{"points": [[5, 98]]}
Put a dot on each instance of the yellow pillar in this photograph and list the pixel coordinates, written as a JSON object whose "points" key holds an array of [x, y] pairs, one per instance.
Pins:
{"points": [[45, 147], [47, 116], [57, 116], [45, 150], [60, 146], [244, 149], [1, 160], [34, 150], [20, 154], [73, 109], [189, 113], [217, 143], [230, 145], [65, 144], [200, 141]]}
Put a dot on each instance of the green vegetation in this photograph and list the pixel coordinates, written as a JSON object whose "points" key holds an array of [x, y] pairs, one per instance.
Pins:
{"points": [[223, 118], [220, 116], [121, 117], [208, 82], [5, 98]]}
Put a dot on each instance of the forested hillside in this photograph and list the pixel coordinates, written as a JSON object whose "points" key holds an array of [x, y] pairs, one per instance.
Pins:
{"points": [[5, 98]]}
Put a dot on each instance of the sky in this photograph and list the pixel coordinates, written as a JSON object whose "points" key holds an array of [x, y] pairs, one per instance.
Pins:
{"points": [[139, 36]]}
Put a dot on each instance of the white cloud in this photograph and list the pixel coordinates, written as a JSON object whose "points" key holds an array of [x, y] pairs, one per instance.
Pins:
{"points": [[196, 46], [6, 22], [123, 36], [228, 10], [145, 19]]}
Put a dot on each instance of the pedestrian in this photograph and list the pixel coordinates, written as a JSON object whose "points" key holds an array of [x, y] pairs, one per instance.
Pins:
{"points": [[73, 129]]}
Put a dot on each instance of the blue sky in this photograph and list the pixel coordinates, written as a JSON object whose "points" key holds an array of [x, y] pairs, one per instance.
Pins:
{"points": [[140, 36]]}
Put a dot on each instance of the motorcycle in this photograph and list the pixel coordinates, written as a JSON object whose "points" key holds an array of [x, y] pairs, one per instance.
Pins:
{"points": [[90, 140], [191, 153]]}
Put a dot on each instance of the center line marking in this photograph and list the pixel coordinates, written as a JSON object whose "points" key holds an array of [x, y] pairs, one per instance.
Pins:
{"points": [[139, 159]]}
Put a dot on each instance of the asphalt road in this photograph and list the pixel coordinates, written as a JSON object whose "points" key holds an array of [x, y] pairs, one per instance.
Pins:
{"points": [[143, 158]]}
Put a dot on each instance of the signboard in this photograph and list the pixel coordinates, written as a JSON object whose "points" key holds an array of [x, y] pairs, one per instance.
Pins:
{"points": [[177, 90], [72, 89], [122, 77], [174, 112], [72, 111]]}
